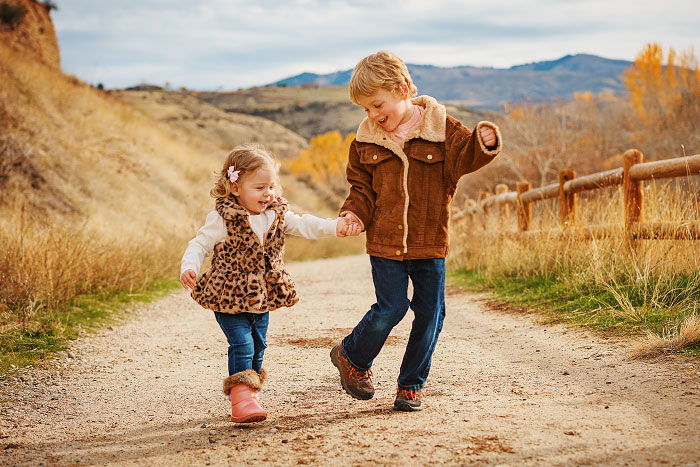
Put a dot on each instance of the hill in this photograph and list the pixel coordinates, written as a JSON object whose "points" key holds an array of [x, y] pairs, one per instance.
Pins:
{"points": [[490, 88], [122, 163], [309, 110], [225, 129], [190, 116], [100, 195]]}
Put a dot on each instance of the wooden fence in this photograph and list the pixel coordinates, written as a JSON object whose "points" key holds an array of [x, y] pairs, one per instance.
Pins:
{"points": [[631, 176]]}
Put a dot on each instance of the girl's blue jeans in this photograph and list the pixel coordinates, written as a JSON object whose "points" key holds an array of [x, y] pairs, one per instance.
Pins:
{"points": [[245, 333], [428, 304]]}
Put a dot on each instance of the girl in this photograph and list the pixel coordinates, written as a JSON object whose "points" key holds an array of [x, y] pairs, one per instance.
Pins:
{"points": [[247, 277]]}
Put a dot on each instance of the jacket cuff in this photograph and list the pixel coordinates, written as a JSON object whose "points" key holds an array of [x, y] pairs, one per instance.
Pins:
{"points": [[489, 150]]}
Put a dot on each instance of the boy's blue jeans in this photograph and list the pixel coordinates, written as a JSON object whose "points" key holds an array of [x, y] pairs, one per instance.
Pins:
{"points": [[245, 333], [428, 304]]}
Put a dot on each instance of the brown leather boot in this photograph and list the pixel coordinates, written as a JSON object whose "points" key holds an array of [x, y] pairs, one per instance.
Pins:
{"points": [[356, 382], [408, 400]]}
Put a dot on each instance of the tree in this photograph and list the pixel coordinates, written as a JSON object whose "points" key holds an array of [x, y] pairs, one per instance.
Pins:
{"points": [[325, 160], [665, 92]]}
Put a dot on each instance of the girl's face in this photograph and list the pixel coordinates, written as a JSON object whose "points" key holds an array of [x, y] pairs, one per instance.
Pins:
{"points": [[388, 109], [255, 191]]}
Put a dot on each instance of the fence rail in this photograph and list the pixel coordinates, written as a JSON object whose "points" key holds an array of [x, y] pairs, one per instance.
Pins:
{"points": [[631, 176]]}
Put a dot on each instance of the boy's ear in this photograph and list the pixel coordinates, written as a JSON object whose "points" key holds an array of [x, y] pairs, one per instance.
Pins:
{"points": [[403, 89]]}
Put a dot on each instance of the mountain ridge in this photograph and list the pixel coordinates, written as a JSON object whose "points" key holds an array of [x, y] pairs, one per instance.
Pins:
{"points": [[491, 88]]}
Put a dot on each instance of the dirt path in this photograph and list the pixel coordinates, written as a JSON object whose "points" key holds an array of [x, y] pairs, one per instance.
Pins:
{"points": [[502, 390]]}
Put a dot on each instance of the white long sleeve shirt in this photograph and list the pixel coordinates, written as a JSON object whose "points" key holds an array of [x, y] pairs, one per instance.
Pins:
{"points": [[214, 231]]}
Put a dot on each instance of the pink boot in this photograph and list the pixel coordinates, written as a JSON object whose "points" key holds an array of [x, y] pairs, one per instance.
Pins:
{"points": [[242, 388]]}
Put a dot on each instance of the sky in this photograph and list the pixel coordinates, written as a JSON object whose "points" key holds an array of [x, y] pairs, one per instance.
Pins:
{"points": [[233, 44]]}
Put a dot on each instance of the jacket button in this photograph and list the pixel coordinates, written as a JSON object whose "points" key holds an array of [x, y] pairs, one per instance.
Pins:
{"points": [[374, 157], [400, 226], [429, 156], [398, 252]]}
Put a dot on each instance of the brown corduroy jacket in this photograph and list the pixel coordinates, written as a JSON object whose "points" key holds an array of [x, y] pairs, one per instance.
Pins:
{"points": [[402, 195]]}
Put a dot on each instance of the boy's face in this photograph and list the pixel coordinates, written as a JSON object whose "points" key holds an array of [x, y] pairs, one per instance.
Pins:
{"points": [[387, 109]]}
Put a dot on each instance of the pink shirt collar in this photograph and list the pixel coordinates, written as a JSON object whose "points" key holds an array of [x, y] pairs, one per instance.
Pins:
{"points": [[405, 129]]}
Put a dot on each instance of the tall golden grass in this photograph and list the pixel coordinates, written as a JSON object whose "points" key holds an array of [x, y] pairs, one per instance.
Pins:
{"points": [[652, 285], [98, 197], [46, 268]]}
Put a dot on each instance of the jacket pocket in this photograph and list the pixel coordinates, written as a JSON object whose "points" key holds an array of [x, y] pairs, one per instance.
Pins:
{"points": [[386, 169], [374, 155], [427, 152]]}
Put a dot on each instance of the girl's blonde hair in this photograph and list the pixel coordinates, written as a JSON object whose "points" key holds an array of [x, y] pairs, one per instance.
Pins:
{"points": [[382, 70], [247, 159]]}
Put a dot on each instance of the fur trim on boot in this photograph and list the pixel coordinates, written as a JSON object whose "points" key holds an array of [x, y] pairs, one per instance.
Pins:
{"points": [[248, 377]]}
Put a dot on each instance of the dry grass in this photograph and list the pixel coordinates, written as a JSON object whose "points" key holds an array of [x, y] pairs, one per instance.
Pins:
{"points": [[644, 285], [676, 338], [45, 268], [99, 197]]}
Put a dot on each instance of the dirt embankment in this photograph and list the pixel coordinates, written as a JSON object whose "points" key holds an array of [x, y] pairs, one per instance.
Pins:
{"points": [[26, 26], [503, 389]]}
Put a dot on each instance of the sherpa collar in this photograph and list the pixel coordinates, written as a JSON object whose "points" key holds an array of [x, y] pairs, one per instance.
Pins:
{"points": [[431, 128], [229, 209]]}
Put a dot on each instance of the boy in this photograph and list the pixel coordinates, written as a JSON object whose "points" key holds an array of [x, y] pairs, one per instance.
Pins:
{"points": [[403, 169]]}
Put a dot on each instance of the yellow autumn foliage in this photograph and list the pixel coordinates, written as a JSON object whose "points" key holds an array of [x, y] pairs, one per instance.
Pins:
{"points": [[663, 87], [325, 160]]}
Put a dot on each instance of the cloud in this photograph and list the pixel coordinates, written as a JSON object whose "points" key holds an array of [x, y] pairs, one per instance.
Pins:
{"points": [[239, 43]]}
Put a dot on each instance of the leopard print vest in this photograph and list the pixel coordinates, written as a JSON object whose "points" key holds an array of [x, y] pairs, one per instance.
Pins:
{"points": [[246, 276]]}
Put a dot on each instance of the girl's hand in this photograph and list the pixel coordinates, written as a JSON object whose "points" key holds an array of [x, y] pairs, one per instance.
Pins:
{"points": [[488, 136], [188, 279]]}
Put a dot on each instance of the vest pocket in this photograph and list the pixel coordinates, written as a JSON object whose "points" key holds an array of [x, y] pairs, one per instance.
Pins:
{"points": [[280, 289]]}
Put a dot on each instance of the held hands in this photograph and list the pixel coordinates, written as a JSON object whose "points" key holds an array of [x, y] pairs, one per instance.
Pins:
{"points": [[348, 226], [188, 279], [488, 136]]}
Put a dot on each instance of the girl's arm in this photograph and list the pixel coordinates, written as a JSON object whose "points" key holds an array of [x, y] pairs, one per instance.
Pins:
{"points": [[212, 232], [309, 226]]}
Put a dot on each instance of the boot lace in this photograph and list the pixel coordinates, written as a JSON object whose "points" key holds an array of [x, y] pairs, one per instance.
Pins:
{"points": [[359, 375], [408, 394]]}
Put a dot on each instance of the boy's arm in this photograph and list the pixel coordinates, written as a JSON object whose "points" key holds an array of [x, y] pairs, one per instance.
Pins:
{"points": [[309, 226], [360, 201], [212, 232], [467, 151]]}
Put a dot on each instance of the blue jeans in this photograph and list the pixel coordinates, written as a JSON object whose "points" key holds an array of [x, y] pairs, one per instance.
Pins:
{"points": [[428, 304], [245, 333]]}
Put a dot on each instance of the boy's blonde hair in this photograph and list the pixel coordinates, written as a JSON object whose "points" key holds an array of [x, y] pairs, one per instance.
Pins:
{"points": [[383, 70], [247, 159]]}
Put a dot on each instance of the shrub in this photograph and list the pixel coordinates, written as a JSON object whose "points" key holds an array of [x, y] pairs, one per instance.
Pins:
{"points": [[49, 5]]}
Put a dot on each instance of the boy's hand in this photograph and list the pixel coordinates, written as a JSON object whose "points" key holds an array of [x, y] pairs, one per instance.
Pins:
{"points": [[188, 279], [488, 136], [354, 225], [348, 225]]}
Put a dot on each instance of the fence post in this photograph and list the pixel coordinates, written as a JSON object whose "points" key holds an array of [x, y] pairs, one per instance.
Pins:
{"points": [[470, 213], [503, 210], [484, 209], [632, 190], [567, 201], [524, 209]]}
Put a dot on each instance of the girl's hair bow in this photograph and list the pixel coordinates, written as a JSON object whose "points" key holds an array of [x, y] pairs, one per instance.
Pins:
{"points": [[233, 174]]}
